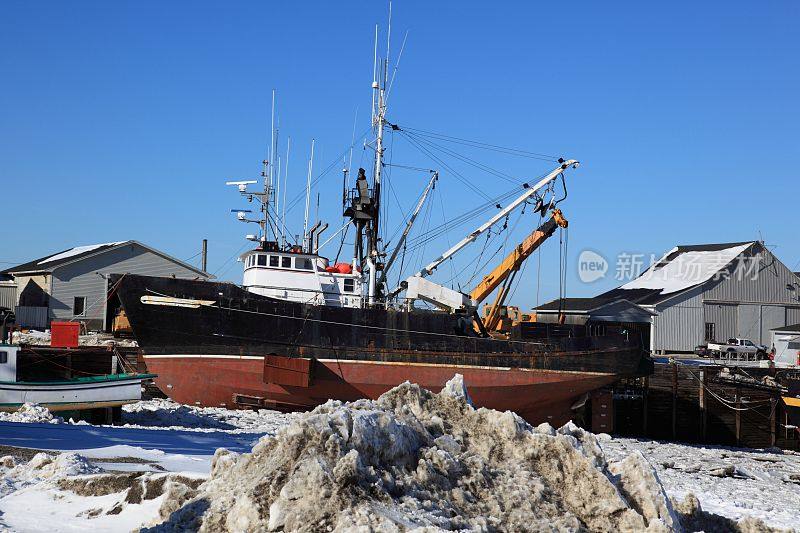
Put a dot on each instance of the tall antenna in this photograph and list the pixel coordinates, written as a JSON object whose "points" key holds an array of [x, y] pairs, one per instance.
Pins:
{"points": [[374, 71], [308, 192], [278, 220], [388, 34], [285, 182]]}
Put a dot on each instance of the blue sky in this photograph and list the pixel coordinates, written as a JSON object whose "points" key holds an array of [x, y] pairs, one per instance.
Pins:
{"points": [[123, 120]]}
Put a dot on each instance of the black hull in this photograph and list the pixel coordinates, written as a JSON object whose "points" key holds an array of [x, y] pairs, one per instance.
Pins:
{"points": [[242, 323]]}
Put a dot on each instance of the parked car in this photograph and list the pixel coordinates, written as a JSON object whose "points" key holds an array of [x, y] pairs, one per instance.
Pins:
{"points": [[742, 349], [701, 350]]}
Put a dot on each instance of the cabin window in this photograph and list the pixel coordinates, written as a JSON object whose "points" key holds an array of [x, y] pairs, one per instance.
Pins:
{"points": [[273, 260], [286, 262], [262, 260], [303, 264], [79, 306], [3, 358], [793, 345], [349, 285]]}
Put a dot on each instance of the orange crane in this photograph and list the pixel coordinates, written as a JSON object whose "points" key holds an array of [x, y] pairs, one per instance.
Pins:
{"points": [[504, 273]]}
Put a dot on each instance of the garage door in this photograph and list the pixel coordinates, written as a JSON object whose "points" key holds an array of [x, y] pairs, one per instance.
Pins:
{"points": [[749, 322], [720, 320], [772, 316]]}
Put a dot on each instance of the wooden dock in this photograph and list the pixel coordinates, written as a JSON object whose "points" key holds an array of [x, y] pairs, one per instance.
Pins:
{"points": [[705, 404]]}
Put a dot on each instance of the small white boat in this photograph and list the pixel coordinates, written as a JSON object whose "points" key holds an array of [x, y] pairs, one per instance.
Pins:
{"points": [[90, 392]]}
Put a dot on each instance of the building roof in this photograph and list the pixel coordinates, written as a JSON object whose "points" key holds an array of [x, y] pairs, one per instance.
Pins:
{"points": [[50, 262], [680, 269], [572, 304]]}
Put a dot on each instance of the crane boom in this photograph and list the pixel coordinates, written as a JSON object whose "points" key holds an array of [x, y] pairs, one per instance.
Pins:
{"points": [[428, 269], [507, 269], [518, 255]]}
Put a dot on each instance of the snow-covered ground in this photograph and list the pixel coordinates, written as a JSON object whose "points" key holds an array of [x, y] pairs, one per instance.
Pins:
{"points": [[171, 444], [159, 438], [732, 482]]}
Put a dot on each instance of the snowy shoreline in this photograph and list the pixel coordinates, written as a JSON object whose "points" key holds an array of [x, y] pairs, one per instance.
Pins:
{"points": [[162, 438]]}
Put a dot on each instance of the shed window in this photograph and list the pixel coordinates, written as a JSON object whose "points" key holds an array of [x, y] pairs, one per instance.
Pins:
{"points": [[304, 264], [349, 285], [3, 358], [286, 262], [273, 260], [710, 333], [79, 306], [262, 260]]}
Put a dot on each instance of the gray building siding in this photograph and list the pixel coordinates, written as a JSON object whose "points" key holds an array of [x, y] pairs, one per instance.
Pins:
{"points": [[792, 316], [8, 295], [87, 278], [679, 323], [765, 281]]}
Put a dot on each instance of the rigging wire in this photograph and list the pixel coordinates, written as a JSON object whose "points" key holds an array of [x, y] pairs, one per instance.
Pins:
{"points": [[455, 173], [465, 217], [486, 146], [468, 160], [325, 171]]}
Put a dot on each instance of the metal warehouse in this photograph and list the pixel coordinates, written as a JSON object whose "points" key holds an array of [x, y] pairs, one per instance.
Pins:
{"points": [[73, 284], [696, 294]]}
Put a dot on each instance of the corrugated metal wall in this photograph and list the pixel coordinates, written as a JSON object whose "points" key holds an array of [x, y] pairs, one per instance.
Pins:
{"points": [[31, 317], [679, 325], [767, 281], [8, 295], [792, 316], [87, 278]]}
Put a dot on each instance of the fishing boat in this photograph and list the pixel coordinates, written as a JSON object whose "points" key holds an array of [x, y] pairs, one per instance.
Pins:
{"points": [[89, 392], [302, 329]]}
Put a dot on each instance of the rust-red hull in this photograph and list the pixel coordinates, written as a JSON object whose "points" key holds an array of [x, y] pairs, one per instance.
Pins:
{"points": [[537, 395]]}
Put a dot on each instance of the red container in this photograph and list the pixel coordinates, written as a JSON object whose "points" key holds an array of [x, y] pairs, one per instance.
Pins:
{"points": [[64, 334]]}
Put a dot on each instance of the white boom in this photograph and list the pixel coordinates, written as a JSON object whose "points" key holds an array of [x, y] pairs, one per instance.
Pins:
{"points": [[428, 270], [409, 225]]}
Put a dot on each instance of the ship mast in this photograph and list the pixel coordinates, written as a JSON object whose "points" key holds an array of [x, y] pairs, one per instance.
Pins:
{"points": [[378, 122]]}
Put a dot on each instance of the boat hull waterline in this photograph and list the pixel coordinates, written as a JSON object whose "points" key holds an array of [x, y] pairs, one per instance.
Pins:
{"points": [[67, 395]]}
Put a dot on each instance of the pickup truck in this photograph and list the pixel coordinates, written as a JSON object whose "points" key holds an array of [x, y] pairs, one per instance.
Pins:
{"points": [[743, 349]]}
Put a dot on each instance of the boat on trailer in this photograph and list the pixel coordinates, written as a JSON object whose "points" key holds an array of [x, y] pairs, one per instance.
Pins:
{"points": [[89, 392]]}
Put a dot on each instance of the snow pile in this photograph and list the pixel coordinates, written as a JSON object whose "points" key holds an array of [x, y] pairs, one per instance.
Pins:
{"points": [[31, 413], [32, 337], [417, 459], [165, 413], [44, 466], [686, 270]]}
